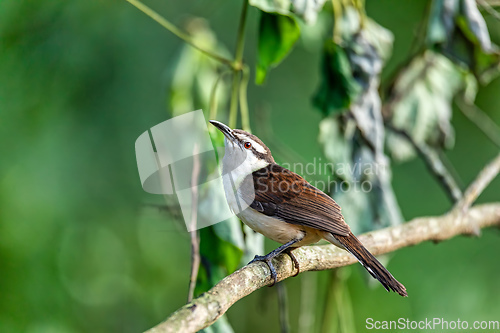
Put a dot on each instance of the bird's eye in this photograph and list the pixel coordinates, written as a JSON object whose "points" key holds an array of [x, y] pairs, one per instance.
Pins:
{"points": [[247, 145]]}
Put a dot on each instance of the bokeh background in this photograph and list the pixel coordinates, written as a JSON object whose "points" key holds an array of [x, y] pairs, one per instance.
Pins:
{"points": [[80, 250]]}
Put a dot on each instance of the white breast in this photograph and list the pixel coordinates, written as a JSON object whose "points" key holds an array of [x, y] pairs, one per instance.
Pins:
{"points": [[275, 229], [270, 227], [237, 164]]}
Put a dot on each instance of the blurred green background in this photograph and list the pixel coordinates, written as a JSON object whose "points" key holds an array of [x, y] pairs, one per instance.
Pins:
{"points": [[80, 250]]}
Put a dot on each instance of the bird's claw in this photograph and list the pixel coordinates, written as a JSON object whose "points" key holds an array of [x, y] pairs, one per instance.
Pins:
{"points": [[267, 260], [294, 260]]}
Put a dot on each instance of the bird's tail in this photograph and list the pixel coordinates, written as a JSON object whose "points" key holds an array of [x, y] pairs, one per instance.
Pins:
{"points": [[369, 262]]}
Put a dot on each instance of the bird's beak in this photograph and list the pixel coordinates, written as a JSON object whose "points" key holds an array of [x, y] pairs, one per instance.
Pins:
{"points": [[228, 132]]}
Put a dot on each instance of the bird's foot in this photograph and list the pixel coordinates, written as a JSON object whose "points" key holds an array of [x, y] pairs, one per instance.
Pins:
{"points": [[294, 260], [267, 259]]}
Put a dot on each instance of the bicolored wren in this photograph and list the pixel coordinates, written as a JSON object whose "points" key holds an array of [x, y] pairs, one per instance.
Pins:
{"points": [[284, 207]]}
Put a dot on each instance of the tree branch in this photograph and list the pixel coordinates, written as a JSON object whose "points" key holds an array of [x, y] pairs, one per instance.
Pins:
{"points": [[195, 238], [207, 308], [488, 7], [238, 66], [485, 177], [481, 119]]}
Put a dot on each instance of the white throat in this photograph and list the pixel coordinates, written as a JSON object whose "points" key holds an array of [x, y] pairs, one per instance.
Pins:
{"points": [[240, 162], [237, 164]]}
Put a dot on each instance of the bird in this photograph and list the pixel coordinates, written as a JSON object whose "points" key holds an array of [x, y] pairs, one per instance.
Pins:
{"points": [[283, 206]]}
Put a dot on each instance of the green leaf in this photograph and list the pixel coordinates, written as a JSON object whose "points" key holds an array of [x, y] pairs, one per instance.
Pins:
{"points": [[219, 258], [222, 244], [338, 87], [279, 29], [230, 231], [277, 35], [194, 73]]}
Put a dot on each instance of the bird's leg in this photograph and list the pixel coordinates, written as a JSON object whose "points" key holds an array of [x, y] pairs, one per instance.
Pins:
{"points": [[268, 258]]}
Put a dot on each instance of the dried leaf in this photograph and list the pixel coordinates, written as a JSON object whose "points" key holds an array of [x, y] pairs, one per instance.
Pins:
{"points": [[305, 9], [458, 30], [421, 103], [348, 68], [355, 141]]}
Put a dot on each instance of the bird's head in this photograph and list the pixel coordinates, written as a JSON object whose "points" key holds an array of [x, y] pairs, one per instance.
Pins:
{"points": [[243, 148]]}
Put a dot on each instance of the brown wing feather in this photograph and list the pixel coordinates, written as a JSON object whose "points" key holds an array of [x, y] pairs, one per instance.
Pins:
{"points": [[283, 194]]}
